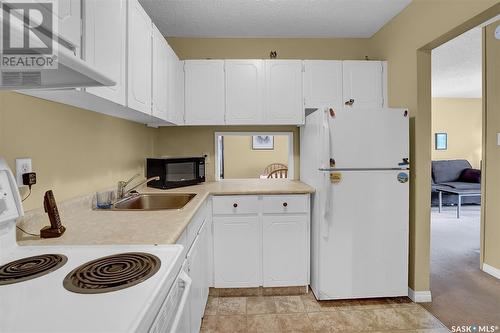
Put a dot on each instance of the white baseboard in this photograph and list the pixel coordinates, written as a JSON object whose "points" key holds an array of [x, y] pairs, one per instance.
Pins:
{"points": [[419, 296], [491, 270]]}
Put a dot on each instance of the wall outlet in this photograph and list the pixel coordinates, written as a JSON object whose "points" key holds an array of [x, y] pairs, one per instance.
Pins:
{"points": [[23, 165]]}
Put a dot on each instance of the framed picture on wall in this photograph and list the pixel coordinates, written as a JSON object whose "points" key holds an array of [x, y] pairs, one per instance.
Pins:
{"points": [[441, 141], [262, 142]]}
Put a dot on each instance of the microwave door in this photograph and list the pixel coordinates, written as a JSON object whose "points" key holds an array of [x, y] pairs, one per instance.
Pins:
{"points": [[181, 172]]}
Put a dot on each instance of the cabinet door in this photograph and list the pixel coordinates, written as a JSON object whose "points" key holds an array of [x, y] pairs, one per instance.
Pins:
{"points": [[195, 270], [175, 88], [362, 83], [69, 16], [285, 250], [204, 84], [284, 103], [322, 83], [205, 261], [139, 58], [244, 91], [105, 45], [237, 251], [159, 71]]}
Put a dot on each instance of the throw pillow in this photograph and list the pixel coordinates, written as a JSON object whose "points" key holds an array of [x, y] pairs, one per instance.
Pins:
{"points": [[470, 176]]}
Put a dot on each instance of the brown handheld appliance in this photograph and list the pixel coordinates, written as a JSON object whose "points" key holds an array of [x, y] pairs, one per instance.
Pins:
{"points": [[56, 229]]}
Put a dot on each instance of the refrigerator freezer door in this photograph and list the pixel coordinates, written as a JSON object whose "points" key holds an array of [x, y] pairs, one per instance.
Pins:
{"points": [[369, 138], [364, 252]]}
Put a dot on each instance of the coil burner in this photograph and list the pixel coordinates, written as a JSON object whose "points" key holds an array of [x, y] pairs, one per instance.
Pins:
{"points": [[112, 273], [30, 268]]}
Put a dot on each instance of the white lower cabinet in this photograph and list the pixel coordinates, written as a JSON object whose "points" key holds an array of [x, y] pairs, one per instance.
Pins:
{"points": [[196, 273], [261, 240], [237, 251], [197, 266], [286, 250]]}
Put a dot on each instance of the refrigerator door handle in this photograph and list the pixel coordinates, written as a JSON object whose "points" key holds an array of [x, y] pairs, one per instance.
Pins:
{"points": [[325, 139], [361, 169]]}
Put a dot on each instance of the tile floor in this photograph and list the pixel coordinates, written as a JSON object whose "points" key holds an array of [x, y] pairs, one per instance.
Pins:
{"points": [[269, 314]]}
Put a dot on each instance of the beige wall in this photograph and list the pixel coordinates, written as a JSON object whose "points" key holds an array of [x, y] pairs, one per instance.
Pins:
{"points": [[259, 48], [198, 140], [422, 23], [241, 161], [74, 151], [461, 119], [491, 178]]}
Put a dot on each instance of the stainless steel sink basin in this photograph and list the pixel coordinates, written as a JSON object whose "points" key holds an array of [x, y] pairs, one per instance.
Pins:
{"points": [[154, 201]]}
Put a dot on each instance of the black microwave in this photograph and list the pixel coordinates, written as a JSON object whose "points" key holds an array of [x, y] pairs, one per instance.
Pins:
{"points": [[175, 171]]}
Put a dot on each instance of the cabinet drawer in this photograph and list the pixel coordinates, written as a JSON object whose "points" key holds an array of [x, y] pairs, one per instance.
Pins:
{"points": [[276, 204], [235, 204], [195, 224]]}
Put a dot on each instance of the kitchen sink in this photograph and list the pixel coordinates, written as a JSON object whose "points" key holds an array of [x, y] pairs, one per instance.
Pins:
{"points": [[154, 201]]}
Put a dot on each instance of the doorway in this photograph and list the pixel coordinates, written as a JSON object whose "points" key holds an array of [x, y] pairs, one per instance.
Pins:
{"points": [[462, 294]]}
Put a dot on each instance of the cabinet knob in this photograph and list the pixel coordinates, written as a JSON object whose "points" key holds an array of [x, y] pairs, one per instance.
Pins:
{"points": [[349, 102], [235, 205], [285, 204]]}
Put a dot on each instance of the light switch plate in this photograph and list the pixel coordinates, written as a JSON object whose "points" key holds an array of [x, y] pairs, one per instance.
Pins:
{"points": [[498, 139], [23, 165]]}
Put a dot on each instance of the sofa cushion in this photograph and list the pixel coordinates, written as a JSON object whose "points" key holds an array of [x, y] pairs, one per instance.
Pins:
{"points": [[461, 186], [448, 170], [470, 176]]}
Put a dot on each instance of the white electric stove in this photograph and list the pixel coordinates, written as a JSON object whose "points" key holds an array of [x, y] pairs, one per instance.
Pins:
{"points": [[129, 288]]}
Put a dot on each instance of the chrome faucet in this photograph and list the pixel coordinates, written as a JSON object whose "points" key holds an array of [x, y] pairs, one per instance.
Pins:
{"points": [[121, 193]]}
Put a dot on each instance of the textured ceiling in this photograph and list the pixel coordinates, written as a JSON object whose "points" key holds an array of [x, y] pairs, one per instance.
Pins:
{"points": [[457, 67], [272, 18]]}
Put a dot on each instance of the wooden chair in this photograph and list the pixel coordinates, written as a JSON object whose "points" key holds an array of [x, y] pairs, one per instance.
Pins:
{"points": [[278, 173], [274, 166]]}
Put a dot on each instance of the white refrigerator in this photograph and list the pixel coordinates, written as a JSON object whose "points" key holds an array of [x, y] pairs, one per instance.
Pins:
{"points": [[357, 160]]}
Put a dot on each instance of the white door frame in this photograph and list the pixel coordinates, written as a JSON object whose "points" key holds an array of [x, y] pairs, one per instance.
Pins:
{"points": [[291, 160]]}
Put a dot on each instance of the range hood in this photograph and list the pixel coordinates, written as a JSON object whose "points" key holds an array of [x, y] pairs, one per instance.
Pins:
{"points": [[71, 71]]}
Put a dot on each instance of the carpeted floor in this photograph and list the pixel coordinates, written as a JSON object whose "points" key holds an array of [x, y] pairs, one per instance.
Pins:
{"points": [[461, 293]]}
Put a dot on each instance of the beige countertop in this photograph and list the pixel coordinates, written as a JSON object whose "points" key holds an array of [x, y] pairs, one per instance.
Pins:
{"points": [[85, 226]]}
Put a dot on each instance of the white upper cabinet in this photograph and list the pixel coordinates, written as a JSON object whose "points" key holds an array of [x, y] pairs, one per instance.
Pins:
{"points": [[68, 16], [139, 58], [244, 91], [175, 88], [323, 83], [160, 75], [105, 45], [363, 84], [284, 103], [204, 84]]}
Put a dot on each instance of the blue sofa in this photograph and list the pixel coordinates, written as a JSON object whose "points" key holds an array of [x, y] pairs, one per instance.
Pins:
{"points": [[450, 173]]}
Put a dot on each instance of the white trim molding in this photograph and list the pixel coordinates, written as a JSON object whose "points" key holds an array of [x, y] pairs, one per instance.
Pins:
{"points": [[420, 296], [491, 270]]}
